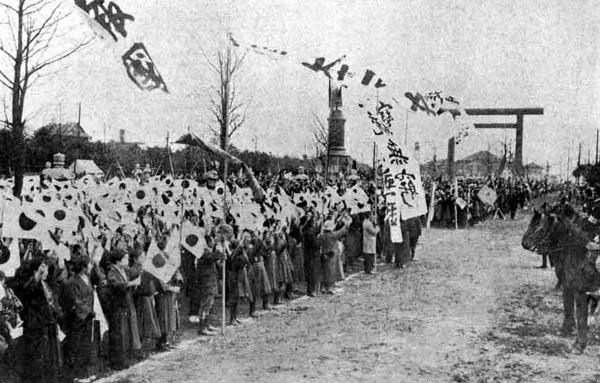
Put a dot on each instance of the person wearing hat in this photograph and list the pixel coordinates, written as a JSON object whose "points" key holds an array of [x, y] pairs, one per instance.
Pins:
{"points": [[370, 230], [330, 249], [211, 179]]}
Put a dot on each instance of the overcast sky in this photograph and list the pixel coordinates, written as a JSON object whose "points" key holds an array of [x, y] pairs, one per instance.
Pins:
{"points": [[511, 53]]}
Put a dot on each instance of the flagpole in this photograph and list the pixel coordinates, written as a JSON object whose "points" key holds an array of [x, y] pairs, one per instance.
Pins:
{"points": [[2, 218], [181, 218], [406, 127], [468, 203], [327, 151], [455, 192], [597, 133], [169, 156], [225, 170]]}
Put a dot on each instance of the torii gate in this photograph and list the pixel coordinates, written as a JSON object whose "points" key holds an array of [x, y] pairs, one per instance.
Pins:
{"points": [[518, 125]]}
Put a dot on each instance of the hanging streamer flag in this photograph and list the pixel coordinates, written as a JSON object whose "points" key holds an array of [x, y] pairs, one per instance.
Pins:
{"points": [[382, 118], [273, 54], [110, 18], [141, 69], [435, 104], [334, 69], [110, 23], [319, 65]]}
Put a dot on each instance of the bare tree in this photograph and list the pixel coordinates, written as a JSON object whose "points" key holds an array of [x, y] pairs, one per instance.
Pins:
{"points": [[34, 45], [228, 111], [320, 135]]}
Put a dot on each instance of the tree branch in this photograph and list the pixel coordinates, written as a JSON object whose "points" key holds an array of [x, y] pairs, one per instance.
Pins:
{"points": [[59, 57], [7, 53], [5, 5], [6, 81]]}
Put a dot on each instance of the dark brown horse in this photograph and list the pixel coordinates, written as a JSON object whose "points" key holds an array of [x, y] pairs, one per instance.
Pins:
{"points": [[563, 234]]}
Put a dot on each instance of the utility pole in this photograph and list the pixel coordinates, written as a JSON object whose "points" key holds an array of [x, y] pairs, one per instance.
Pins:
{"points": [[568, 161], [588, 157], [79, 115], [169, 156], [597, 132]]}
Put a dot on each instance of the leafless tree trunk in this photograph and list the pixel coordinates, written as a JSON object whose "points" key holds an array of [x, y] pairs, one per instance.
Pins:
{"points": [[34, 28], [320, 135], [227, 110]]}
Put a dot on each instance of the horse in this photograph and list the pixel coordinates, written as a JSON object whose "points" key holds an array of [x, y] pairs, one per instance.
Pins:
{"points": [[564, 235]]}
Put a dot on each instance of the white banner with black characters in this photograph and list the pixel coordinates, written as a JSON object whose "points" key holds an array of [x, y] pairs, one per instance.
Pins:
{"points": [[403, 189]]}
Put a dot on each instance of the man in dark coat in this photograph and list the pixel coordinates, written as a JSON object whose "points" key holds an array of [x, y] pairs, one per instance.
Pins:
{"points": [[312, 256], [205, 286], [238, 281], [123, 329], [42, 353], [81, 344]]}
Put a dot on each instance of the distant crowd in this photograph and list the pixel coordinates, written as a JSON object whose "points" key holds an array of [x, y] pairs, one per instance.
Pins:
{"points": [[82, 309], [462, 206]]}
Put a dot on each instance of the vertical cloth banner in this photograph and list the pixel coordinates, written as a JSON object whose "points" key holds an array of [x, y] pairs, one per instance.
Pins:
{"points": [[404, 193], [113, 25]]}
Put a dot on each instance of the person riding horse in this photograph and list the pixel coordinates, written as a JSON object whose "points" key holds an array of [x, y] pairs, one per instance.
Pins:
{"points": [[567, 237]]}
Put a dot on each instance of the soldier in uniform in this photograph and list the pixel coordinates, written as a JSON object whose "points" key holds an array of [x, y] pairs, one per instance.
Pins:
{"points": [[205, 287]]}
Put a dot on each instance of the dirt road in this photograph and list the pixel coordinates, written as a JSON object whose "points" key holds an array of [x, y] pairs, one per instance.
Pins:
{"points": [[472, 308]]}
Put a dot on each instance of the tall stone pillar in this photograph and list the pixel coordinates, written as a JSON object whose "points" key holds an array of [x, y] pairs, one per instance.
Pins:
{"points": [[337, 133]]}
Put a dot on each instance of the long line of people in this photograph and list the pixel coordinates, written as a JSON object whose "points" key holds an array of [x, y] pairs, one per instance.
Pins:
{"points": [[66, 305], [91, 313]]}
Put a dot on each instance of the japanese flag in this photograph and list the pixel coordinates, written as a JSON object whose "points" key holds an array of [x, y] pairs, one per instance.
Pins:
{"points": [[193, 239], [10, 259], [157, 263]]}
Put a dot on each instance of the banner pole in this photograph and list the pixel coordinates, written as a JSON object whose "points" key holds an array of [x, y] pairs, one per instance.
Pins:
{"points": [[2, 218], [431, 205], [468, 206]]}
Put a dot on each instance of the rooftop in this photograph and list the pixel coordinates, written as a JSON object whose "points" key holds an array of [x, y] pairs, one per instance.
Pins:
{"points": [[68, 129]]}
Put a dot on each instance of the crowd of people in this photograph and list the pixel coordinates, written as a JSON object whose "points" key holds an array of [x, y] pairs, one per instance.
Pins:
{"points": [[70, 312], [510, 195], [85, 309]]}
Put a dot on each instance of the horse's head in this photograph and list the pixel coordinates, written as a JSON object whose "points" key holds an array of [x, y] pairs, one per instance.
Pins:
{"points": [[538, 236]]}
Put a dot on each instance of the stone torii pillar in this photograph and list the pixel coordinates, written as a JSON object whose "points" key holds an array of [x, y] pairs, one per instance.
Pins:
{"points": [[518, 126]]}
